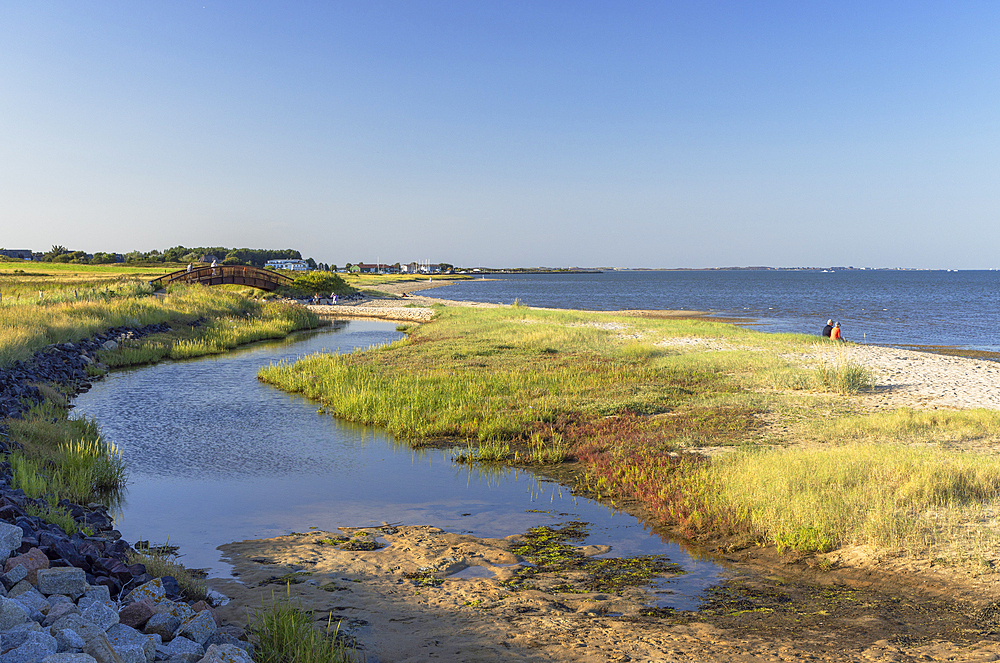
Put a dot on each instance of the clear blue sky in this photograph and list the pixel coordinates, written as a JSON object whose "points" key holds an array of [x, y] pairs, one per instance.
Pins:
{"points": [[631, 134]]}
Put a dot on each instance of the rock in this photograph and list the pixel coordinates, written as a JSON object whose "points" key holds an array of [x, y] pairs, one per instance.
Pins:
{"points": [[163, 624], [125, 640], [10, 539], [171, 586], [68, 640], [12, 613], [138, 613], [102, 613], [152, 590], [67, 580], [37, 646], [226, 654], [69, 658], [109, 345], [14, 576], [198, 628], [100, 648], [76, 623], [219, 638], [98, 593], [20, 588], [17, 636], [180, 610], [57, 612], [33, 560], [33, 600], [180, 646]]}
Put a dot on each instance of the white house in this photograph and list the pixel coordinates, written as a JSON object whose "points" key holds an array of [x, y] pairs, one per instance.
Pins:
{"points": [[292, 265]]}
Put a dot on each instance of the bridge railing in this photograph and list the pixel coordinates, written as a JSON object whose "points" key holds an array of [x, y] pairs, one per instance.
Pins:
{"points": [[267, 279]]}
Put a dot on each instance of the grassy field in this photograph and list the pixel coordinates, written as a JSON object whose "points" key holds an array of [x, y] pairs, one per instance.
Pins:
{"points": [[372, 282], [628, 399], [21, 282], [63, 457]]}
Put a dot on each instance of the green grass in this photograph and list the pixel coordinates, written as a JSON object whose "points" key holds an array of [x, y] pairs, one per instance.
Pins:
{"points": [[63, 457], [629, 398], [233, 320], [68, 458], [884, 496], [159, 563], [284, 633]]}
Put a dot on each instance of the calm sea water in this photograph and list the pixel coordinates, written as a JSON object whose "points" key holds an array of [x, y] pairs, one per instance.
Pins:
{"points": [[960, 309]]}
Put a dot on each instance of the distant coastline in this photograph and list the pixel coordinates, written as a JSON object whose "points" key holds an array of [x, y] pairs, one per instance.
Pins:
{"points": [[760, 268]]}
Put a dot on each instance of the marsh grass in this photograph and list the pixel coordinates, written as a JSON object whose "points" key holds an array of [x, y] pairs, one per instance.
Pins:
{"points": [[57, 515], [80, 471], [906, 425], [616, 394], [160, 563], [234, 320], [845, 376], [282, 632], [886, 496], [492, 377]]}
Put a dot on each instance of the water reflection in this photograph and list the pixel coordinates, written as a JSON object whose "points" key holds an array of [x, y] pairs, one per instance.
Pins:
{"points": [[215, 456]]}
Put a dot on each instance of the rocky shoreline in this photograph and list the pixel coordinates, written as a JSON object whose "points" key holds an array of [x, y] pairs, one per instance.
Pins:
{"points": [[75, 598]]}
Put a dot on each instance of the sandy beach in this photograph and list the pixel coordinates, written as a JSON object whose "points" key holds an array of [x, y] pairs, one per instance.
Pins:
{"points": [[897, 610]]}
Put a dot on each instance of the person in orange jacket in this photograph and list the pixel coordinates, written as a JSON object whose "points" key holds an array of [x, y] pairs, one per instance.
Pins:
{"points": [[835, 333]]}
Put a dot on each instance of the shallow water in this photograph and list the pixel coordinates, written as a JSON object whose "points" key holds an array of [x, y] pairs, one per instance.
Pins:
{"points": [[215, 456], [882, 307]]}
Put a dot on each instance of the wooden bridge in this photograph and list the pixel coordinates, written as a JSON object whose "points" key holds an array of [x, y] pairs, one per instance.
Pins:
{"points": [[264, 279]]}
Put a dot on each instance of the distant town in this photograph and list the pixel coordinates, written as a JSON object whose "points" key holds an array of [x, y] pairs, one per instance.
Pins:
{"points": [[292, 260]]}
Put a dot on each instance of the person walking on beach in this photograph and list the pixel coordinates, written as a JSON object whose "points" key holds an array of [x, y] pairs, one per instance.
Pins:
{"points": [[835, 333], [828, 328]]}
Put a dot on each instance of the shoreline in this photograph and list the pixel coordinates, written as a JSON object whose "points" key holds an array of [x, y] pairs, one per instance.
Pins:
{"points": [[916, 377], [404, 621]]}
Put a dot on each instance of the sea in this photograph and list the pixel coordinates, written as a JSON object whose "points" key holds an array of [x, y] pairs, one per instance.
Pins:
{"points": [[952, 309]]}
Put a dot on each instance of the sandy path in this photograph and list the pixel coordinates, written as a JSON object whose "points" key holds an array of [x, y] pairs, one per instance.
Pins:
{"points": [[921, 379]]}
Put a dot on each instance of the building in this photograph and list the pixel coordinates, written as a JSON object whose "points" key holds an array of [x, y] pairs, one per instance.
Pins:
{"points": [[23, 254], [376, 268], [421, 268], [291, 265]]}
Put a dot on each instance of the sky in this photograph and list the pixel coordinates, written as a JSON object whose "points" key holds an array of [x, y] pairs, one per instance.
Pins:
{"points": [[508, 133]]}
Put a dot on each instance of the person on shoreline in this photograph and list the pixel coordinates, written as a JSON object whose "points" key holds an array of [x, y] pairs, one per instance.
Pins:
{"points": [[835, 333], [828, 328]]}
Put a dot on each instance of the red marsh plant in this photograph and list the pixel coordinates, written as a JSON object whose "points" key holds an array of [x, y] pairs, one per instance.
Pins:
{"points": [[631, 457]]}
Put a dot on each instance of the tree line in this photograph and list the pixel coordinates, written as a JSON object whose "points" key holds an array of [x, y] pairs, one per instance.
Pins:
{"points": [[182, 254]]}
